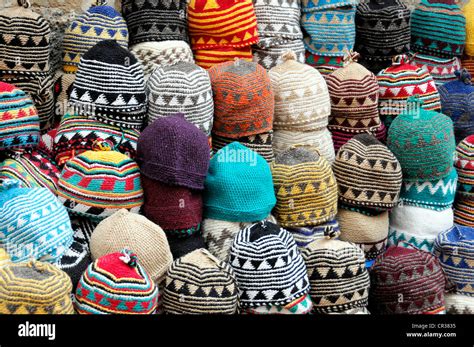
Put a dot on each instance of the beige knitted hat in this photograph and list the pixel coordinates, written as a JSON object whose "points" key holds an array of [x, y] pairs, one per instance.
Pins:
{"points": [[301, 96], [125, 229]]}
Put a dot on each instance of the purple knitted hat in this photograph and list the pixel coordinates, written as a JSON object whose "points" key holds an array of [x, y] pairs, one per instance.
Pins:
{"points": [[173, 151]]}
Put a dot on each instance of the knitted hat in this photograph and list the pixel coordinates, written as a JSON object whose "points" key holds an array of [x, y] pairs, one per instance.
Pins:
{"points": [[441, 69], [341, 137], [278, 19], [337, 274], [173, 151], [325, 65], [45, 145], [417, 227], [77, 134], [100, 22], [467, 62], [313, 5], [106, 64], [19, 119], [126, 229], [116, 283], [199, 283], [306, 234], [34, 288], [301, 305], [184, 88], [400, 81], [243, 99], [239, 186], [180, 246], [33, 224], [367, 173], [207, 58], [155, 20], [459, 304], [464, 211], [423, 142], [97, 183], [407, 280], [368, 232], [305, 188], [468, 11], [260, 143], [24, 41], [465, 167], [430, 35], [301, 96], [268, 267], [63, 82], [270, 53]]}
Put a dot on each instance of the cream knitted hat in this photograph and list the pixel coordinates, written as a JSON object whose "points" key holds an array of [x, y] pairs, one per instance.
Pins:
{"points": [[124, 229]]}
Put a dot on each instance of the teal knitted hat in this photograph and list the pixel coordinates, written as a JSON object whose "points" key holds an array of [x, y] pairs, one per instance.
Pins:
{"points": [[423, 142], [238, 186]]}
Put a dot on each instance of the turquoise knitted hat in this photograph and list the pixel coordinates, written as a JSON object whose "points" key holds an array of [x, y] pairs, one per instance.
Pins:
{"points": [[238, 186]]}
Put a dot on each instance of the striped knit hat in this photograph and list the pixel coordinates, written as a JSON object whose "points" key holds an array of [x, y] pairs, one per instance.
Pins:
{"points": [[34, 288], [407, 281], [97, 183], [301, 305], [24, 41], [77, 134], [467, 62], [367, 173], [429, 32], [337, 274], [243, 99], [268, 267], [464, 211], [173, 151], [184, 88], [468, 11], [19, 119], [341, 137], [419, 133], [100, 22], [155, 20], [301, 96], [278, 20], [260, 143], [306, 234], [199, 283], [116, 284], [465, 167], [459, 304], [305, 188], [441, 69], [105, 64]]}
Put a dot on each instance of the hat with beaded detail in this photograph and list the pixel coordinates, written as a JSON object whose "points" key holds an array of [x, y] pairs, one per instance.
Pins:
{"points": [[199, 283], [464, 165], [116, 283]]}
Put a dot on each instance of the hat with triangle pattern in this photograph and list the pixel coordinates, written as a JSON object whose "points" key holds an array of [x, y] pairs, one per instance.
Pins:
{"points": [[464, 165], [443, 70]]}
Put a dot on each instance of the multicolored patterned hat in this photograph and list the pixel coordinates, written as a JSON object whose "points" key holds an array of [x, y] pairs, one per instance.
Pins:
{"points": [[464, 165], [441, 69], [464, 211]]}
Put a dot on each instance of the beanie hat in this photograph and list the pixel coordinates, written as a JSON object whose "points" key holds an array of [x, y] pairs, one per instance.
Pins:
{"points": [[131, 230], [367, 173], [368, 232], [465, 167], [459, 304], [301, 96], [429, 32], [260, 143], [184, 88], [178, 210], [180, 246], [441, 69], [464, 211], [32, 223], [173, 151], [19, 119], [305, 188], [268, 267], [306, 234], [412, 226], [116, 284], [269, 54], [337, 274], [207, 58], [106, 64], [24, 41], [341, 137], [34, 288], [313, 5], [278, 19], [98, 23], [199, 283], [324, 64], [409, 274], [77, 134], [97, 183], [243, 99], [301, 305], [455, 250], [239, 186], [423, 142], [155, 20]]}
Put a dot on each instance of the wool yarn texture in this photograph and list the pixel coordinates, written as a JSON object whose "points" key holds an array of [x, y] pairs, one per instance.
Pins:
{"points": [[199, 283], [63, 82], [269, 54], [4, 258], [45, 145], [106, 64], [259, 143], [468, 11], [459, 304], [180, 246], [116, 283], [302, 305], [464, 165], [464, 211], [305, 188], [341, 137], [324, 64], [441, 69], [306, 234], [174, 151], [34, 287], [467, 62], [268, 267], [207, 58]]}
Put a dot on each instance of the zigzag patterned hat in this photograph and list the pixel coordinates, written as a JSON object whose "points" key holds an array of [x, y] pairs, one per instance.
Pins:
{"points": [[278, 19]]}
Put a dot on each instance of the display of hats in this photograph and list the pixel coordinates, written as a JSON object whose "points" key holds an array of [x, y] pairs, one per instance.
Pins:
{"points": [[259, 143], [305, 188], [199, 283], [34, 287], [301, 305], [407, 281], [306, 234], [441, 69], [324, 64], [173, 151], [464, 165], [459, 304], [116, 283], [464, 211], [33, 223], [106, 64]]}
